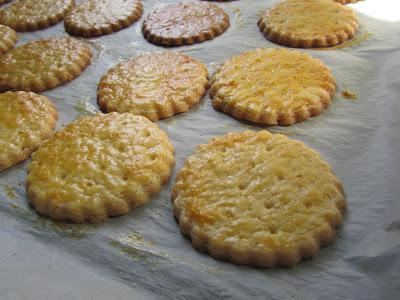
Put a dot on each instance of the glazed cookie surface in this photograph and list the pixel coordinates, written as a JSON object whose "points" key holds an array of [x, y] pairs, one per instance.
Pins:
{"points": [[99, 166], [43, 64], [99, 17], [8, 39], [308, 23], [26, 119], [272, 86], [258, 199], [30, 15], [185, 23], [155, 85]]}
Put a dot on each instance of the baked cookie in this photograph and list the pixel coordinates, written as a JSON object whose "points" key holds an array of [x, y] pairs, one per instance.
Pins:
{"points": [[8, 39], [26, 119], [155, 85], [308, 23], [258, 199], [99, 17], [98, 167], [30, 15], [43, 64], [185, 23], [272, 86]]}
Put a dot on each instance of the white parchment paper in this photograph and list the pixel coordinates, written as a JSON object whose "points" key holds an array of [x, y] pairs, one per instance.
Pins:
{"points": [[143, 255]]}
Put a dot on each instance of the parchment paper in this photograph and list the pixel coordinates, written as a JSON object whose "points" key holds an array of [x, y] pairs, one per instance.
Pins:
{"points": [[143, 254]]}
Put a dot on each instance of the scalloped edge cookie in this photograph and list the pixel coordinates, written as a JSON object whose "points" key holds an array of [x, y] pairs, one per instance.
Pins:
{"points": [[9, 40], [46, 22], [92, 186], [45, 131], [212, 32], [223, 91], [72, 27], [172, 103], [42, 82], [204, 227], [275, 32]]}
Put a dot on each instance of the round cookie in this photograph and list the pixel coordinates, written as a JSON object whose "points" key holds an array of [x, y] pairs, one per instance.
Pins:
{"points": [[185, 23], [272, 86], [43, 64], [155, 85], [8, 39], [30, 15], [99, 17], [258, 199], [26, 119], [99, 166], [308, 23]]}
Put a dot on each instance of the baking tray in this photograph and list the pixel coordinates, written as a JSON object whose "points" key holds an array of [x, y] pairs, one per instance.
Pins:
{"points": [[143, 254]]}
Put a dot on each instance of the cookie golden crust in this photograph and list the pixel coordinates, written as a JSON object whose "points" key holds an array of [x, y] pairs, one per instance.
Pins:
{"points": [[43, 64], [30, 15], [185, 23], [155, 85], [99, 166], [8, 39], [272, 86], [258, 199], [308, 23], [26, 119], [95, 18]]}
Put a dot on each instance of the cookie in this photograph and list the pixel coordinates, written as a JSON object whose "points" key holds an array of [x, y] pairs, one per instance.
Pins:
{"points": [[308, 23], [26, 119], [258, 199], [155, 85], [99, 166], [30, 15], [8, 39], [185, 23], [43, 64], [272, 86], [95, 18]]}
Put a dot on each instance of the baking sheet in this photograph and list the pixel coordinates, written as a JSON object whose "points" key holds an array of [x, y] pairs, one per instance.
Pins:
{"points": [[143, 255]]}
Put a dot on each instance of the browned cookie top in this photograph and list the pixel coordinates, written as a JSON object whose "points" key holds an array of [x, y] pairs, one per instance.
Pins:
{"points": [[184, 23]]}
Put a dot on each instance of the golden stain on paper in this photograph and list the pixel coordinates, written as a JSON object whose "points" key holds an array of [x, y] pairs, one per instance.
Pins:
{"points": [[357, 40], [349, 95]]}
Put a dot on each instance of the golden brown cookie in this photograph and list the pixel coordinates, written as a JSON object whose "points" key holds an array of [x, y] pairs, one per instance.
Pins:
{"points": [[99, 166], [272, 86], [155, 85], [100, 17], [43, 64], [308, 23], [8, 39], [185, 23], [30, 15], [26, 119], [258, 199]]}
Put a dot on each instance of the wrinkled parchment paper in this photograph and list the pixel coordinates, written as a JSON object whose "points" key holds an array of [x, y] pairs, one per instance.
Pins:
{"points": [[143, 255]]}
